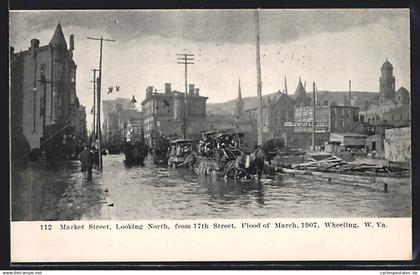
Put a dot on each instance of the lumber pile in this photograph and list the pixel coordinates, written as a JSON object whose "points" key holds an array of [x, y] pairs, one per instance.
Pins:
{"points": [[338, 165]]}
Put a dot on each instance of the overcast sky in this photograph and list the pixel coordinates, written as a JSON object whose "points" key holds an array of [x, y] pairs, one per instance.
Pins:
{"points": [[329, 47]]}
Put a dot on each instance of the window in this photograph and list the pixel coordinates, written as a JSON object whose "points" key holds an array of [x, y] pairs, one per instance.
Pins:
{"points": [[73, 76], [42, 71]]}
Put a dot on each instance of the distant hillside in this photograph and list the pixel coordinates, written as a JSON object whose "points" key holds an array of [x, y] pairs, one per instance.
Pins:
{"points": [[359, 99]]}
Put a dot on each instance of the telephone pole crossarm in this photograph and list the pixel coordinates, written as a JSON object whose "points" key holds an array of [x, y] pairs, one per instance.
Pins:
{"points": [[185, 59]]}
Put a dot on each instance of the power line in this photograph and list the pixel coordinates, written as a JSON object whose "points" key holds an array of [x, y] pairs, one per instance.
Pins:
{"points": [[185, 59], [98, 89]]}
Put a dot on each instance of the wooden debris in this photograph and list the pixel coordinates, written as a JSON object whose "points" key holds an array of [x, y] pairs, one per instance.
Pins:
{"points": [[338, 165]]}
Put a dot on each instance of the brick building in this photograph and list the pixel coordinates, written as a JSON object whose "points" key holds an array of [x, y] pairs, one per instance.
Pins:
{"points": [[276, 110], [328, 119], [163, 113], [44, 104]]}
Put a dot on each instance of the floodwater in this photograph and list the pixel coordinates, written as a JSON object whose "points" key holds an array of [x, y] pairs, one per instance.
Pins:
{"points": [[150, 192]]}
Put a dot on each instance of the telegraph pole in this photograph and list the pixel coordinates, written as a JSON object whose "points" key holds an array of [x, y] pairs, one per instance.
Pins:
{"points": [[259, 84], [350, 94], [313, 118], [94, 101], [44, 102], [98, 88], [350, 109], [185, 59]]}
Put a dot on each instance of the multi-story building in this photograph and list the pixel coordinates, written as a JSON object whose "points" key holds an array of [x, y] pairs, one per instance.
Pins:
{"points": [[43, 93], [169, 113], [118, 114], [276, 111], [130, 125], [328, 119]]}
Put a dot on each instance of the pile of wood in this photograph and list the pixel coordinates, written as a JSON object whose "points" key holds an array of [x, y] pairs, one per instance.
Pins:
{"points": [[338, 165]]}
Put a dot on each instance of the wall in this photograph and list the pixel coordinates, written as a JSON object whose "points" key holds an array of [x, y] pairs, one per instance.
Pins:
{"points": [[304, 140], [398, 144], [400, 116], [343, 118], [349, 139], [304, 118], [379, 143], [32, 121]]}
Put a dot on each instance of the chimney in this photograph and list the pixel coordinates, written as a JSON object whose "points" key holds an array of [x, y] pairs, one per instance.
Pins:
{"points": [[34, 45], [168, 88], [149, 91], [191, 89], [71, 42], [197, 91]]}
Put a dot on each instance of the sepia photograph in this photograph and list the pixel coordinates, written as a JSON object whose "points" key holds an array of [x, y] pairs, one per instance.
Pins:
{"points": [[209, 114]]}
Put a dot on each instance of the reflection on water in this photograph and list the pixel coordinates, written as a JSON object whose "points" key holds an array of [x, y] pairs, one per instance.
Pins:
{"points": [[160, 193], [149, 192]]}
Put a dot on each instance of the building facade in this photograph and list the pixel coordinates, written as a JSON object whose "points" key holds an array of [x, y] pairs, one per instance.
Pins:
{"points": [[171, 112], [43, 93], [276, 111], [121, 119]]}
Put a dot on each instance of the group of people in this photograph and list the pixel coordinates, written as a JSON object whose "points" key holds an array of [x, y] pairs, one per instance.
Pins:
{"points": [[183, 150]]}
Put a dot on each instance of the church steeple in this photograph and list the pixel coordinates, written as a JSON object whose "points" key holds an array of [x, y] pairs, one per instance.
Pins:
{"points": [[58, 39], [386, 81], [285, 86], [301, 97], [239, 108]]}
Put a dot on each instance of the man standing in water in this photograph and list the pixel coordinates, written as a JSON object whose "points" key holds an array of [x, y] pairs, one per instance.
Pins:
{"points": [[86, 161], [259, 161]]}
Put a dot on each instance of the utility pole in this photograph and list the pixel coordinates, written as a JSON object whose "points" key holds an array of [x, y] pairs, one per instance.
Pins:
{"points": [[313, 118], [98, 87], [44, 103], [259, 84], [185, 59], [350, 94], [155, 125], [350, 111], [94, 101]]}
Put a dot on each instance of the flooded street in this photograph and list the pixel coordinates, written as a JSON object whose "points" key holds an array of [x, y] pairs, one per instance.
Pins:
{"points": [[149, 192]]}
